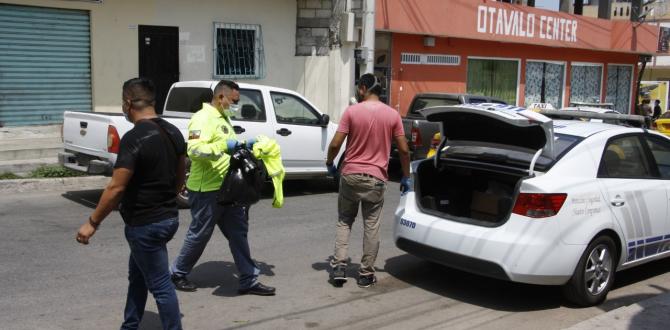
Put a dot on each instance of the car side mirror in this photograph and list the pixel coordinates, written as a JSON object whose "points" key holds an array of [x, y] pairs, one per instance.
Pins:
{"points": [[325, 119]]}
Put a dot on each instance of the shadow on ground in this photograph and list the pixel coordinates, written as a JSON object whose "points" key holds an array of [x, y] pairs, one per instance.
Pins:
{"points": [[632, 276], [87, 198], [472, 289], [504, 295], [293, 188], [150, 321], [223, 276]]}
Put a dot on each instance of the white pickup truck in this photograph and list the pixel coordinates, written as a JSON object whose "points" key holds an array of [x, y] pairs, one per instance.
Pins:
{"points": [[91, 140]]}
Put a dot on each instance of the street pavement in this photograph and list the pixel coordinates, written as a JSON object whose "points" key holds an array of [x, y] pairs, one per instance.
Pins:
{"points": [[48, 281]]}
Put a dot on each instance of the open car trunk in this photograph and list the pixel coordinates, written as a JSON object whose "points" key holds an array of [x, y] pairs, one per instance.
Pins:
{"points": [[481, 196], [480, 187]]}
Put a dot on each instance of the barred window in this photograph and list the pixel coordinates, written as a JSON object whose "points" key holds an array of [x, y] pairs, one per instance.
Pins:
{"points": [[238, 51]]}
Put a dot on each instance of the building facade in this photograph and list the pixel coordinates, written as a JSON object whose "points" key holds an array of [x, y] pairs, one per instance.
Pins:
{"points": [[58, 55], [519, 54]]}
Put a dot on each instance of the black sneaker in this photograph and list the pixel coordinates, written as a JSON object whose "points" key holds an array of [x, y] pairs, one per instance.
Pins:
{"points": [[259, 289], [338, 275], [181, 283], [366, 281]]}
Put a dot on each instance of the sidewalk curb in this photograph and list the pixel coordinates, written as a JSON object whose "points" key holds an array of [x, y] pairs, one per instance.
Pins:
{"points": [[54, 184], [650, 313]]}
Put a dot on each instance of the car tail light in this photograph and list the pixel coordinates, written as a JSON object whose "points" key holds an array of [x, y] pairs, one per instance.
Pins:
{"points": [[416, 137], [539, 205], [113, 140]]}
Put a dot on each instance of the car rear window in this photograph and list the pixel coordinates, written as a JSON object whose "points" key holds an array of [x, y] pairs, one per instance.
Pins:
{"points": [[427, 102], [188, 99]]}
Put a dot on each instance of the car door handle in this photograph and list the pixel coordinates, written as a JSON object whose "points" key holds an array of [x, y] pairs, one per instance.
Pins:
{"points": [[239, 129], [284, 132], [618, 201]]}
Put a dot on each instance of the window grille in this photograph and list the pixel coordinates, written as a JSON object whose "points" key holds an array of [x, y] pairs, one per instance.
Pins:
{"points": [[238, 51], [430, 59], [410, 58]]}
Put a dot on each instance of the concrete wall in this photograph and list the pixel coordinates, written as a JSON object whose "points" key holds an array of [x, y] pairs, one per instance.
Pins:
{"points": [[114, 44]]}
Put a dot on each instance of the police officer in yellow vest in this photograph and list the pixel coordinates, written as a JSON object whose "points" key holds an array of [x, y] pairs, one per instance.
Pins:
{"points": [[210, 140]]}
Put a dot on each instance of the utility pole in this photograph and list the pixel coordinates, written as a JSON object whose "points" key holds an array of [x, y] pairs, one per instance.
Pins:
{"points": [[368, 42]]}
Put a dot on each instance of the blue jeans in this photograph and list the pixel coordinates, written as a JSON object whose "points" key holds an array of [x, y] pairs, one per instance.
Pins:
{"points": [[233, 223], [148, 270]]}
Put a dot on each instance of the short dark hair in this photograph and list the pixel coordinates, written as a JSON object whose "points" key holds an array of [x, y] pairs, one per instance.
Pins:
{"points": [[140, 91], [369, 80], [657, 101], [224, 85]]}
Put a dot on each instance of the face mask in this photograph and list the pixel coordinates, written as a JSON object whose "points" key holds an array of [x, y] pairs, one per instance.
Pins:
{"points": [[232, 111]]}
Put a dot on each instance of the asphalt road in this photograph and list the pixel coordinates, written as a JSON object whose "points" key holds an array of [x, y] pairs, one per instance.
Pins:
{"points": [[48, 281]]}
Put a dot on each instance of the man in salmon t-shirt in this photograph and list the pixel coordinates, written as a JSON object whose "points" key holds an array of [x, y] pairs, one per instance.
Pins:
{"points": [[369, 128]]}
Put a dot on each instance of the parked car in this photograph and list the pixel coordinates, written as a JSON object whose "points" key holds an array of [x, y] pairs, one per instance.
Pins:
{"points": [[515, 195], [91, 140], [662, 124], [419, 131]]}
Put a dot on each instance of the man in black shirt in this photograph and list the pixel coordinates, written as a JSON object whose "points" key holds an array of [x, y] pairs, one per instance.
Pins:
{"points": [[657, 109], [149, 171]]}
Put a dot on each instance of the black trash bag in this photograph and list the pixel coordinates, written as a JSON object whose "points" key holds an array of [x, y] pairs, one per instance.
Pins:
{"points": [[244, 180]]}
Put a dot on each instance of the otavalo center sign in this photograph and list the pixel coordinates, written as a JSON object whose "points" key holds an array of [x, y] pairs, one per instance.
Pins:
{"points": [[503, 22]]}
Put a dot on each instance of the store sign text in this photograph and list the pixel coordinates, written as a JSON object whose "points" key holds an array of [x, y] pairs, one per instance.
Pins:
{"points": [[499, 21]]}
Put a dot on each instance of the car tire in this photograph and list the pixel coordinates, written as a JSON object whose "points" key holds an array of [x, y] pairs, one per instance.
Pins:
{"points": [[594, 275]]}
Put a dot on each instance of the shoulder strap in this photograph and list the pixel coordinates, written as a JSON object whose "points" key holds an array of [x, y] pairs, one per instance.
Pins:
{"points": [[167, 136]]}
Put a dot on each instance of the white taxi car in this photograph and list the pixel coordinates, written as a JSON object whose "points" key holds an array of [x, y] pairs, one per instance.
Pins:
{"points": [[515, 195]]}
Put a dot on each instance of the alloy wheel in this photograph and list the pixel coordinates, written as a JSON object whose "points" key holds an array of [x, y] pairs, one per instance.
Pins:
{"points": [[598, 270]]}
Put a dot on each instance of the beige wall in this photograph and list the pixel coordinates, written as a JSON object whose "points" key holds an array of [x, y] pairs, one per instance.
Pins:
{"points": [[114, 45]]}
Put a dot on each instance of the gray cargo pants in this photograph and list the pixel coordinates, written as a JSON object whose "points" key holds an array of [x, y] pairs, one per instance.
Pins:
{"points": [[367, 191]]}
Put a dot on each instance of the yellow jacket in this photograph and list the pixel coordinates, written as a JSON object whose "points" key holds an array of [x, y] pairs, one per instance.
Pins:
{"points": [[268, 151], [208, 132]]}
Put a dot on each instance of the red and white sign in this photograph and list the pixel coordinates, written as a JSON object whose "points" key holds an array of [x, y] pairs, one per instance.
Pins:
{"points": [[503, 22]]}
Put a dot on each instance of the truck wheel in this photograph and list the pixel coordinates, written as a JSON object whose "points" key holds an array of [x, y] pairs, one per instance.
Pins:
{"points": [[594, 274]]}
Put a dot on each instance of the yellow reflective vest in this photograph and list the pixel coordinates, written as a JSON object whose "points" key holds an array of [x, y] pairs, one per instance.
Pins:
{"points": [[268, 151], [208, 132]]}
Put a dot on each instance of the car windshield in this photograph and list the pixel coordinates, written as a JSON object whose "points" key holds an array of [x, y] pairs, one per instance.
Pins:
{"points": [[665, 115], [512, 156]]}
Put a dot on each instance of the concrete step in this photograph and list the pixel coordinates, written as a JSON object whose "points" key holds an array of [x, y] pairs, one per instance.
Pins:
{"points": [[30, 132], [30, 151], [31, 143], [24, 166]]}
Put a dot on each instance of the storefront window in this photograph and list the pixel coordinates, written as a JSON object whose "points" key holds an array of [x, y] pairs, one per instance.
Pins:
{"points": [[544, 83], [618, 86], [585, 83], [495, 78]]}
